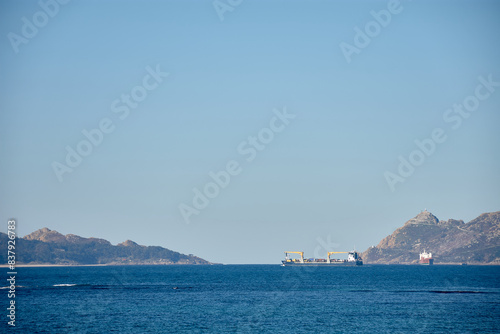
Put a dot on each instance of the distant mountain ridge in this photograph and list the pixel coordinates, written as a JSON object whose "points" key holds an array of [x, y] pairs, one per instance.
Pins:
{"points": [[45, 246], [450, 241]]}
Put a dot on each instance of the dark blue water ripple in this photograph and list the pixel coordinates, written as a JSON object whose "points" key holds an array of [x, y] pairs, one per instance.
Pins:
{"points": [[257, 299]]}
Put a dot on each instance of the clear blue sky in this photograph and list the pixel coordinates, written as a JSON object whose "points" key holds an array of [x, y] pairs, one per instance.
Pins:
{"points": [[321, 178]]}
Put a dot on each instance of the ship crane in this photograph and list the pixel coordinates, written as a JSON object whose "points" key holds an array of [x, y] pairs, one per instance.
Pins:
{"points": [[330, 253], [301, 255]]}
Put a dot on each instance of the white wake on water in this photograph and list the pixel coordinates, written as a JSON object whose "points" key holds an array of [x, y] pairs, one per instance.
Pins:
{"points": [[65, 284]]}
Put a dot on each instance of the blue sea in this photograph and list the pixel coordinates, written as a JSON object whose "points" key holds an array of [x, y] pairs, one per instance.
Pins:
{"points": [[256, 299]]}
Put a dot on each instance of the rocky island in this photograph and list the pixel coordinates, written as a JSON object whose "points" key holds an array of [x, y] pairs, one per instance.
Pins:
{"points": [[47, 247], [450, 241]]}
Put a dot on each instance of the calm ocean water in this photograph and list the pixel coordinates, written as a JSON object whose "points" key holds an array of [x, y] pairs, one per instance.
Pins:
{"points": [[257, 299]]}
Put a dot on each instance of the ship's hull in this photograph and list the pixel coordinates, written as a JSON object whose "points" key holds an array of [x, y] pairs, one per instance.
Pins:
{"points": [[322, 264], [427, 261]]}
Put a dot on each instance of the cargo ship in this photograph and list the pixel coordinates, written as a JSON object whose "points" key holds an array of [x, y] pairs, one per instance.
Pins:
{"points": [[426, 258], [353, 259]]}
